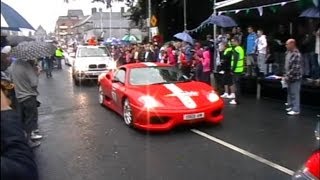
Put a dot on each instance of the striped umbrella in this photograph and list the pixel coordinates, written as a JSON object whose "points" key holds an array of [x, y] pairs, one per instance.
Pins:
{"points": [[12, 20], [33, 50], [130, 38]]}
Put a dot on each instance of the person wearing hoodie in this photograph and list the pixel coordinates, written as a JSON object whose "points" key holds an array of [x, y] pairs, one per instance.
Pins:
{"points": [[261, 50], [206, 64]]}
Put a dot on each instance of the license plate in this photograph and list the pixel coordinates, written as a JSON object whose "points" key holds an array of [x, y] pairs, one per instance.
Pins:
{"points": [[95, 74], [193, 116]]}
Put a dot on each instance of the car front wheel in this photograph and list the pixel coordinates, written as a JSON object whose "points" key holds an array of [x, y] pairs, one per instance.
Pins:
{"points": [[127, 113], [101, 96]]}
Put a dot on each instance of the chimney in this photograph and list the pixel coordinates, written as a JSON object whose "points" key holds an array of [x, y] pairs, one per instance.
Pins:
{"points": [[93, 10]]}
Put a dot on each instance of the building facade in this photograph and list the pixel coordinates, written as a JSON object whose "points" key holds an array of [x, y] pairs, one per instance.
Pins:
{"points": [[40, 34], [103, 25], [64, 26]]}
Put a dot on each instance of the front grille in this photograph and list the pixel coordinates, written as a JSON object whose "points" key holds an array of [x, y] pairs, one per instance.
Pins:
{"points": [[216, 112], [102, 66], [92, 66], [159, 120]]}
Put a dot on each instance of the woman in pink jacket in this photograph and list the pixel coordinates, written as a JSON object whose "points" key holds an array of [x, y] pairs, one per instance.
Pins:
{"points": [[206, 66]]}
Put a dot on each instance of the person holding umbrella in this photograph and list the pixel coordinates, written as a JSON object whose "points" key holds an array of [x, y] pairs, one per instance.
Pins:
{"points": [[24, 74]]}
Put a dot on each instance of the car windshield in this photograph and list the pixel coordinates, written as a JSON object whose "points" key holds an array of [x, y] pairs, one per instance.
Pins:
{"points": [[156, 75], [93, 52]]}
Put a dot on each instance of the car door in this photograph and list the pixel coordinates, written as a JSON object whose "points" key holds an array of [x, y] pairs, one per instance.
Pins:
{"points": [[118, 88]]}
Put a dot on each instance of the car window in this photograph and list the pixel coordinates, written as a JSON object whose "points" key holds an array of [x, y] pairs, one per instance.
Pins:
{"points": [[92, 52], [120, 75], [156, 75]]}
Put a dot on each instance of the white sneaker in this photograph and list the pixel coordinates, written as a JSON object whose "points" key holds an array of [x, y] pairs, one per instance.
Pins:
{"points": [[293, 113], [288, 109], [35, 136], [225, 95], [287, 104], [231, 96], [233, 102]]}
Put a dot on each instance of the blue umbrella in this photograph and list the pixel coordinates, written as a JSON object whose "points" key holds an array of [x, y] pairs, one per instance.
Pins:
{"points": [[184, 37], [222, 21], [312, 12], [12, 20]]}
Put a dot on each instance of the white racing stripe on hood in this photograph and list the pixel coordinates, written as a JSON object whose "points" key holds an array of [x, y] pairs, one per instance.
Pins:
{"points": [[186, 100], [149, 64]]}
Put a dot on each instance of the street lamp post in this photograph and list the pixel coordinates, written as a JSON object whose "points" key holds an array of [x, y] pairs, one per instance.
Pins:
{"points": [[214, 26], [185, 14], [149, 17], [110, 22]]}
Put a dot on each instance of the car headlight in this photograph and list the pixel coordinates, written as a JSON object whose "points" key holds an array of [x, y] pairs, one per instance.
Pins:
{"points": [[213, 97], [149, 102], [112, 65]]}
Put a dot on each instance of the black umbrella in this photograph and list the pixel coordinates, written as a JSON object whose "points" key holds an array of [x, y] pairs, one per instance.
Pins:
{"points": [[33, 50], [15, 40]]}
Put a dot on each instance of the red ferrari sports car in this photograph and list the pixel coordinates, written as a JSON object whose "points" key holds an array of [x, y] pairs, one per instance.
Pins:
{"points": [[157, 97]]}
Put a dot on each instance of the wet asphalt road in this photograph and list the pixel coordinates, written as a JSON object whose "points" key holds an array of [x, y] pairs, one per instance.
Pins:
{"points": [[84, 141]]}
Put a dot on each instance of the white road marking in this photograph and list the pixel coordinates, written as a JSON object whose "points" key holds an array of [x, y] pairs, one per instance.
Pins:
{"points": [[186, 100], [244, 152], [149, 64]]}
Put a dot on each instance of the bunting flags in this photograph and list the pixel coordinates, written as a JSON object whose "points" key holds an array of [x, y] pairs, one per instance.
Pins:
{"points": [[272, 7], [259, 8]]}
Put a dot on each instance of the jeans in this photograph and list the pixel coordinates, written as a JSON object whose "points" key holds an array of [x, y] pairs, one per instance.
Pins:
{"points": [[306, 57], [28, 110], [261, 60], [206, 77], [59, 59], [293, 97], [314, 66], [48, 65], [279, 62], [236, 83]]}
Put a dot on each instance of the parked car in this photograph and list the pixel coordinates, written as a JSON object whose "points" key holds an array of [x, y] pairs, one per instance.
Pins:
{"points": [[157, 97]]}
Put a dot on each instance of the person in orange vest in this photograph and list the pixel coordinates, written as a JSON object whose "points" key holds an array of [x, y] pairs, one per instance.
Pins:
{"points": [[92, 41]]}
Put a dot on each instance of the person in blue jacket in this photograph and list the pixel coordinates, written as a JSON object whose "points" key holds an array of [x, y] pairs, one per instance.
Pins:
{"points": [[251, 51]]}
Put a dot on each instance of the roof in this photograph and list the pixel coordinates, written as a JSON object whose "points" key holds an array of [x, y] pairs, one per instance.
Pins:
{"points": [[75, 12], [40, 28], [82, 22], [251, 3], [116, 20]]}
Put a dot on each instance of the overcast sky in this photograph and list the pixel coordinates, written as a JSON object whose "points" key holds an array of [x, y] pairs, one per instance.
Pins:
{"points": [[46, 12]]}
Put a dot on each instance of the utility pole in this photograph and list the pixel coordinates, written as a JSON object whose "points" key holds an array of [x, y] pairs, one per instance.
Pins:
{"points": [[149, 17], [110, 22], [185, 14], [214, 26]]}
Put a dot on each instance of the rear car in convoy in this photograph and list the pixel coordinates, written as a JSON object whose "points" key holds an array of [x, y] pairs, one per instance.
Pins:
{"points": [[157, 97], [89, 62]]}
